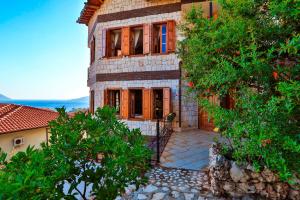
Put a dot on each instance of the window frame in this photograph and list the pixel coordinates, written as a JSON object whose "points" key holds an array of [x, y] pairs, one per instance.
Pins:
{"points": [[133, 27], [161, 23], [92, 102], [93, 50], [130, 117], [107, 47], [108, 90], [153, 101]]}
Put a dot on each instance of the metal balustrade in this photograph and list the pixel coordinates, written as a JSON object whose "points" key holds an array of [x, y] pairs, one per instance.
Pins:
{"points": [[158, 143]]}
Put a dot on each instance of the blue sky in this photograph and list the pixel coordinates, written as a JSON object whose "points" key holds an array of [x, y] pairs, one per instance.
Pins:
{"points": [[43, 51]]}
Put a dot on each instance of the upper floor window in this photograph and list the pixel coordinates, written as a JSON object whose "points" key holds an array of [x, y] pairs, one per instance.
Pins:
{"points": [[159, 38], [139, 40], [93, 48], [114, 43], [136, 40]]}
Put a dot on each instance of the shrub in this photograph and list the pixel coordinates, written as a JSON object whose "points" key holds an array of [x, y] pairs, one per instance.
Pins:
{"points": [[251, 52], [68, 167]]}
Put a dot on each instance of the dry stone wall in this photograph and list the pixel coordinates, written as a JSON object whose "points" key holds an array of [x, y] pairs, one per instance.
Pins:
{"points": [[229, 178]]}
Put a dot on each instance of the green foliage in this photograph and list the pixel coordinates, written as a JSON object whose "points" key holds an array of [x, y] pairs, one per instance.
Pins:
{"points": [[251, 52], [67, 167]]}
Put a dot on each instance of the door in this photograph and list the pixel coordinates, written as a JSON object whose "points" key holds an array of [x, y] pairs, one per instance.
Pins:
{"points": [[205, 122]]}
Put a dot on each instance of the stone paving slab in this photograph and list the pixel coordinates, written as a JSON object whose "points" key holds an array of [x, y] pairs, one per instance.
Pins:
{"points": [[173, 184], [188, 150]]}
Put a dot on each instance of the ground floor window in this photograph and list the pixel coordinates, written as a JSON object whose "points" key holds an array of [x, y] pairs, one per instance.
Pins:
{"points": [[114, 99], [136, 103], [92, 101], [158, 96]]}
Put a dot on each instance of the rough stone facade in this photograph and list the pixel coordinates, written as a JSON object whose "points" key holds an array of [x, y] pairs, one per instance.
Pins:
{"points": [[113, 6], [229, 178], [144, 63]]}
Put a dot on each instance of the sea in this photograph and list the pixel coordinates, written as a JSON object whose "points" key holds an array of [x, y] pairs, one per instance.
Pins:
{"points": [[70, 105]]}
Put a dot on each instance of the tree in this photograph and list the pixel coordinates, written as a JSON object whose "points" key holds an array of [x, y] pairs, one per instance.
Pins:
{"points": [[250, 52], [87, 156]]}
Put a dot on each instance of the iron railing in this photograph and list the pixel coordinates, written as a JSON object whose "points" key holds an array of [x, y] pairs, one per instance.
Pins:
{"points": [[158, 143]]}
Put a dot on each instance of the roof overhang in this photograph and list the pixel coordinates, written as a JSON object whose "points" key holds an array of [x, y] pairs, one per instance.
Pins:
{"points": [[90, 7]]}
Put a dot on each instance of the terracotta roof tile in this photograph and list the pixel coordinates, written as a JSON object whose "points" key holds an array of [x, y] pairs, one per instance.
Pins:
{"points": [[16, 118]]}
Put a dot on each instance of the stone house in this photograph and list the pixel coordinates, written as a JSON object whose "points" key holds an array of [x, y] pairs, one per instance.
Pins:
{"points": [[133, 65]]}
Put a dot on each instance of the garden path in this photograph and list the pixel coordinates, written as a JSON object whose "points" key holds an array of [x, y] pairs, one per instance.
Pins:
{"points": [[188, 150]]}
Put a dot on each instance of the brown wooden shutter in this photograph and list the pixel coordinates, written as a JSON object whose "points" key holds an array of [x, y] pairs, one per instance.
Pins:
{"points": [[171, 36], [147, 104], [106, 98], [146, 38], [103, 43], [92, 101], [167, 106], [124, 104], [93, 44], [125, 41], [108, 44]]}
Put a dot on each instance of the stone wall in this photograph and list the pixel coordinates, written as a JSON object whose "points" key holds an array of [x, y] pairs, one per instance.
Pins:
{"points": [[147, 127], [113, 6], [228, 178], [189, 109], [133, 63]]}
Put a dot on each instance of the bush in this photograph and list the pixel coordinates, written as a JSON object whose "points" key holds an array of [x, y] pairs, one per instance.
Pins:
{"points": [[251, 52], [67, 168]]}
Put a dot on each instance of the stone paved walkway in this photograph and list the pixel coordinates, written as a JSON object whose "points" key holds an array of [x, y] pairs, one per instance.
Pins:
{"points": [[188, 150], [173, 184]]}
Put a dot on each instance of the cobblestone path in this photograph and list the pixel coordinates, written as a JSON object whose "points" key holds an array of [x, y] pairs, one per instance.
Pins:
{"points": [[173, 184]]}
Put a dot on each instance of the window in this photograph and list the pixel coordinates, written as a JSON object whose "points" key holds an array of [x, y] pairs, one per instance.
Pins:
{"points": [[139, 40], [164, 38], [145, 103], [113, 99], [160, 38], [92, 48], [158, 96], [136, 40], [92, 101], [136, 103], [114, 43]]}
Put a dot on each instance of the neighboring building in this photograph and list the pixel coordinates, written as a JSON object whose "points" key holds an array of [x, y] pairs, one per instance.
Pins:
{"points": [[133, 62], [21, 126]]}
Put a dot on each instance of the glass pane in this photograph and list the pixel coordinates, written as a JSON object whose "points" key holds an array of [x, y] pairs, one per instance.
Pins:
{"points": [[164, 29], [164, 48], [164, 39]]}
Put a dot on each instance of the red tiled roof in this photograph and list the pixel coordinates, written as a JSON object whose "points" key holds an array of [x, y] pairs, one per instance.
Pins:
{"points": [[17, 118]]}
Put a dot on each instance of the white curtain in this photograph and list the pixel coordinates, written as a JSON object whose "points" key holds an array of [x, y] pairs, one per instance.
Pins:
{"points": [[137, 34], [117, 35]]}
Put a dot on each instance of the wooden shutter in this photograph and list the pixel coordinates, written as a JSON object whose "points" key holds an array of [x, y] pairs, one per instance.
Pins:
{"points": [[146, 38], [106, 98], [103, 43], [147, 104], [167, 106], [171, 36], [108, 44], [124, 104], [93, 44], [125, 41], [92, 101]]}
